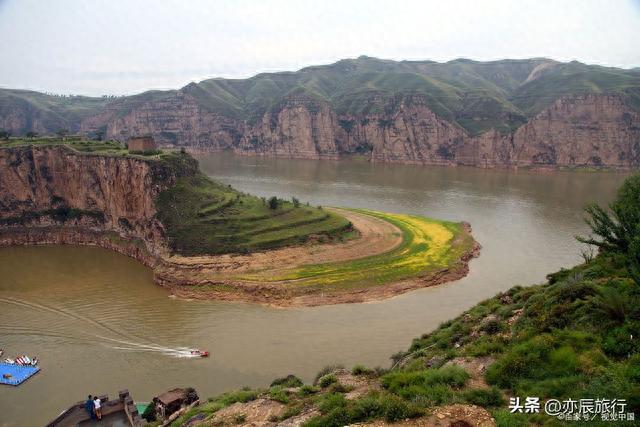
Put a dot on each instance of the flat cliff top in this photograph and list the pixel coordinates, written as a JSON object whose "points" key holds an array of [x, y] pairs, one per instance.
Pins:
{"points": [[79, 145]]}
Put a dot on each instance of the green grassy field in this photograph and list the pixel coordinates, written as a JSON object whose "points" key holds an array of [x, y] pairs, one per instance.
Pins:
{"points": [[428, 245], [204, 217]]}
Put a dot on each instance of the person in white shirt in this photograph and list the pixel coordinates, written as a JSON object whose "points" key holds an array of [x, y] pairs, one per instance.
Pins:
{"points": [[96, 404]]}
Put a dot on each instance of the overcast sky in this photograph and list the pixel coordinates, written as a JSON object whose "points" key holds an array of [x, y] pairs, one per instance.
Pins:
{"points": [[123, 47]]}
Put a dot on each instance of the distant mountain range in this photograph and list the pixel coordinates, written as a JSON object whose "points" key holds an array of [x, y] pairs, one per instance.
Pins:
{"points": [[531, 112]]}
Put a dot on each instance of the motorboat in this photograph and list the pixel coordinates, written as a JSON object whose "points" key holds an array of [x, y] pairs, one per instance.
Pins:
{"points": [[200, 353], [23, 360]]}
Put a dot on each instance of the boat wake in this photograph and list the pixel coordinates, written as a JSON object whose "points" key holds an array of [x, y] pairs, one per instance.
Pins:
{"points": [[111, 337], [177, 352]]}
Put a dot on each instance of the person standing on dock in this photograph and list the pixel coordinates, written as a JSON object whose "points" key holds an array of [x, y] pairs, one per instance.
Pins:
{"points": [[97, 407], [89, 406]]}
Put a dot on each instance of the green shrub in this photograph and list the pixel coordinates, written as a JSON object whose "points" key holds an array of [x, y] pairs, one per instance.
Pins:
{"points": [[367, 408], [330, 401], [327, 380], [486, 398], [273, 203], [278, 394], [242, 396], [396, 409], [290, 381], [361, 370], [338, 417], [327, 370], [448, 375], [504, 418], [493, 326], [291, 411], [307, 390], [546, 357]]}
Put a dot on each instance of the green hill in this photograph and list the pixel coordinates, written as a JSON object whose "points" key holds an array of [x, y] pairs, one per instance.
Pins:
{"points": [[476, 95]]}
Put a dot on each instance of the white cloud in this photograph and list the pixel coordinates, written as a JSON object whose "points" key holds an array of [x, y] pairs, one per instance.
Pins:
{"points": [[117, 46]]}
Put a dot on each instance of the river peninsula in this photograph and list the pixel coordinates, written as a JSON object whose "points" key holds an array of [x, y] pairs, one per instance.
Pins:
{"points": [[206, 240]]}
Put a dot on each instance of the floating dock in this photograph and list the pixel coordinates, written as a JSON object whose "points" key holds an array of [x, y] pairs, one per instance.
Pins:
{"points": [[11, 374]]}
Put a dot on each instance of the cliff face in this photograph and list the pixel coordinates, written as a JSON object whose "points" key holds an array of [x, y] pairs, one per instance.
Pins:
{"points": [[299, 127], [587, 130], [55, 188], [596, 130], [176, 120]]}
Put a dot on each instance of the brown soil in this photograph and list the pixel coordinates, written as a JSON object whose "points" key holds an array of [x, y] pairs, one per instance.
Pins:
{"points": [[457, 415], [255, 413], [376, 236], [358, 385]]}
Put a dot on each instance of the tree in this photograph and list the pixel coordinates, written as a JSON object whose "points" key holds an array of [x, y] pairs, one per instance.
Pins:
{"points": [[296, 202], [5, 134], [62, 133], [273, 202], [31, 134], [617, 230], [99, 135]]}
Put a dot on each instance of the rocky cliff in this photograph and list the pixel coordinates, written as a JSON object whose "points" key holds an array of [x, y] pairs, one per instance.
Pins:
{"points": [[587, 130], [511, 113], [59, 195]]}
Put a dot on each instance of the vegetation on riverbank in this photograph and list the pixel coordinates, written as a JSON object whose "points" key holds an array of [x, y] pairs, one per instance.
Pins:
{"points": [[574, 337], [427, 246], [205, 217]]}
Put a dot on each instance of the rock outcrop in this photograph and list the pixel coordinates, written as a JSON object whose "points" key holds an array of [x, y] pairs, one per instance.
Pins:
{"points": [[586, 130], [176, 120], [75, 197]]}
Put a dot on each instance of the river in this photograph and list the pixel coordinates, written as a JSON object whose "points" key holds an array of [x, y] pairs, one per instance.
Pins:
{"points": [[99, 324]]}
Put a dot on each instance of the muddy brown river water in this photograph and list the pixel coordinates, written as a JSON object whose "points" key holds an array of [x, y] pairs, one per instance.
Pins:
{"points": [[99, 324]]}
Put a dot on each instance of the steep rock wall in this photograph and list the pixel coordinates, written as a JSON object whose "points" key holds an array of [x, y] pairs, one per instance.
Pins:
{"points": [[176, 120], [56, 188], [585, 130]]}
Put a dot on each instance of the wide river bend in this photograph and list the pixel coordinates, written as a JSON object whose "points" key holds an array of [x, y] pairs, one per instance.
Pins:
{"points": [[99, 324]]}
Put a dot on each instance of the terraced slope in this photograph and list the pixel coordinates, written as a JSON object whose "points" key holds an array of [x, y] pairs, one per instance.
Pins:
{"points": [[205, 217], [427, 245]]}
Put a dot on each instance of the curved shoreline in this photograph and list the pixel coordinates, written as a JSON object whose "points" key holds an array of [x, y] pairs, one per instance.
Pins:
{"points": [[219, 277]]}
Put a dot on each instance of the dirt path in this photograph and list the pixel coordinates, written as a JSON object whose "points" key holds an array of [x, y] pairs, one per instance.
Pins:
{"points": [[221, 277], [376, 236]]}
